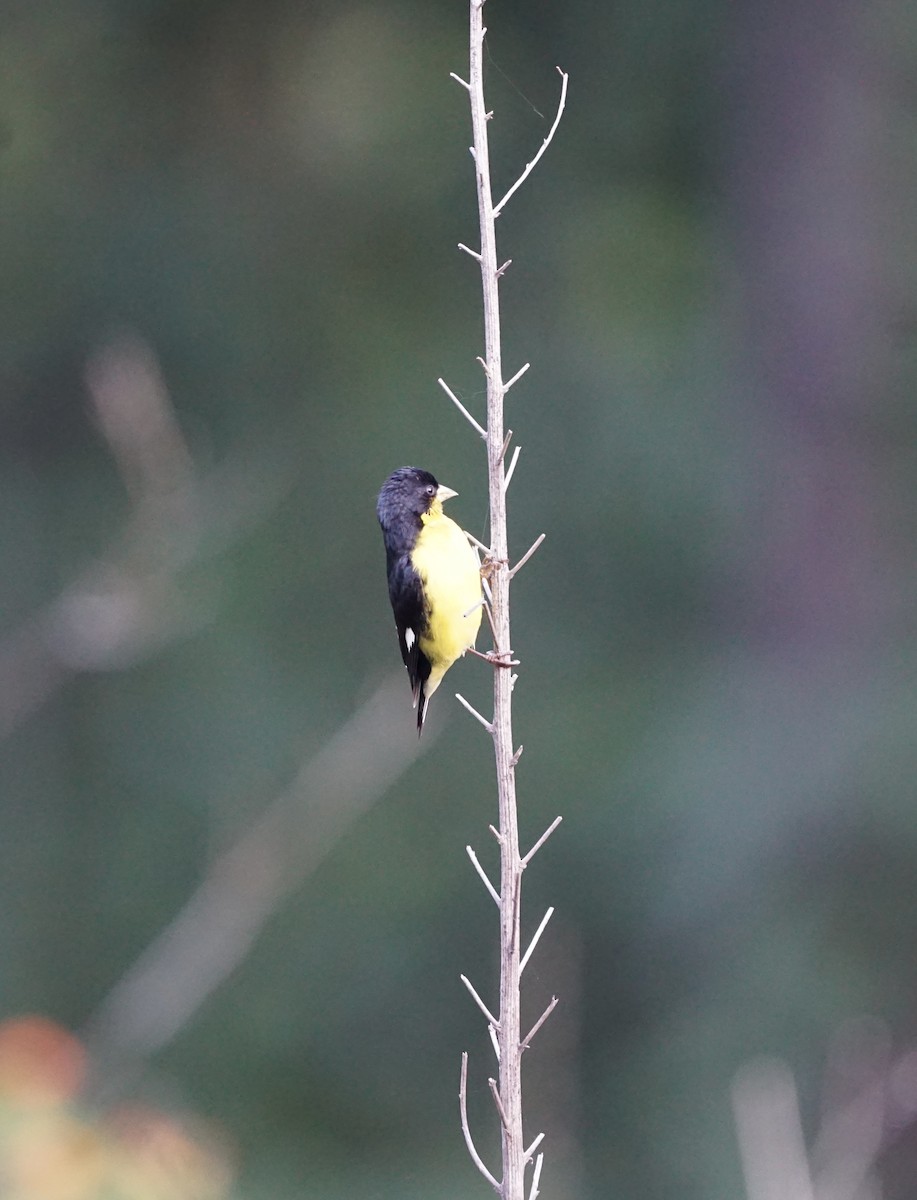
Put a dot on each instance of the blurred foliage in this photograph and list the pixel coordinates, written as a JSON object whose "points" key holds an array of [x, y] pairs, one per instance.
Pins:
{"points": [[50, 1149], [230, 229]]}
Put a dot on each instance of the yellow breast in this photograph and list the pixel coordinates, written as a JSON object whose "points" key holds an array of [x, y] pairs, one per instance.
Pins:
{"points": [[452, 586]]}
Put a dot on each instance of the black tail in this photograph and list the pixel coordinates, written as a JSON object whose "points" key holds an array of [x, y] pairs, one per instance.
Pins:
{"points": [[419, 668]]}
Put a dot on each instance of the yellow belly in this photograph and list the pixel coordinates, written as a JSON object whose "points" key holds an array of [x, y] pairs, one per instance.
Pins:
{"points": [[451, 579]]}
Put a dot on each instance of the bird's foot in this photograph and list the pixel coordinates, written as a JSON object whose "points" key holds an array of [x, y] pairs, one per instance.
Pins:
{"points": [[489, 566], [496, 660]]}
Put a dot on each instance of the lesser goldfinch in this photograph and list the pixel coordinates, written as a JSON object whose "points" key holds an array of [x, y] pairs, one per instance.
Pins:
{"points": [[434, 579]]}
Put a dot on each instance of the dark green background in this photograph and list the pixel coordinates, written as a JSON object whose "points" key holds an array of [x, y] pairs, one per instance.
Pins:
{"points": [[714, 277]]}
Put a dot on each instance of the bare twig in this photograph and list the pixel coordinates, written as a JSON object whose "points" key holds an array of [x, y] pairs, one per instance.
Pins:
{"points": [[469, 1142], [511, 468], [534, 1146], [515, 379], [479, 1002], [544, 145], [527, 1040], [482, 432], [474, 608], [480, 870], [506, 442], [494, 1041], [495, 1092], [488, 605], [474, 541], [536, 1178], [474, 712], [534, 942], [544, 837], [528, 554], [474, 254]]}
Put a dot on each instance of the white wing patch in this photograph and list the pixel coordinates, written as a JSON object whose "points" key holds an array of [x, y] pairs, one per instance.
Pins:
{"points": [[409, 638]]}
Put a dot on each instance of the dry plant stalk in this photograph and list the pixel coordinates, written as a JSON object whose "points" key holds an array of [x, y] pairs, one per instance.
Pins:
{"points": [[506, 1033], [868, 1104]]}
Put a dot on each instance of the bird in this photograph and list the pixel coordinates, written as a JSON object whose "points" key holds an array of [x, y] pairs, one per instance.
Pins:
{"points": [[434, 579]]}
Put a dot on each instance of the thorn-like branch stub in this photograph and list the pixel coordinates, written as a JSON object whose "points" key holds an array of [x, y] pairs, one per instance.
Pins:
{"points": [[480, 545], [488, 725], [544, 837], [536, 1177], [528, 554], [515, 379], [511, 468], [482, 432], [495, 1092], [527, 1040], [534, 1146], [495, 1042], [479, 1002], [534, 942], [483, 874]]}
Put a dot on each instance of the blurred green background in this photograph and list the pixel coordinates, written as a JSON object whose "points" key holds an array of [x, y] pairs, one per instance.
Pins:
{"points": [[230, 282]]}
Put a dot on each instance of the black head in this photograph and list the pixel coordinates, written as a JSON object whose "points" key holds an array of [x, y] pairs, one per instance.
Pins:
{"points": [[406, 495]]}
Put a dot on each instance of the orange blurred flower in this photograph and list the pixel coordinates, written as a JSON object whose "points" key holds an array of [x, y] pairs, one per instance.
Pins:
{"points": [[41, 1064]]}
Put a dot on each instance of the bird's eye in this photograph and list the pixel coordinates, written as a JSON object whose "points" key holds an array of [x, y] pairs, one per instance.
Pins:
{"points": [[430, 489]]}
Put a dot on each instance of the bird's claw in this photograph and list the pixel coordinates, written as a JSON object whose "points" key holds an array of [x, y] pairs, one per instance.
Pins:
{"points": [[489, 566], [504, 659]]}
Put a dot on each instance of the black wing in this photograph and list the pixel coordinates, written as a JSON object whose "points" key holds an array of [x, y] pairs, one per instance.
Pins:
{"points": [[410, 608]]}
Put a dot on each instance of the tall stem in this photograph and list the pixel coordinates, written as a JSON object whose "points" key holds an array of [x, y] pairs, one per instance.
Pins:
{"points": [[505, 1029], [509, 1033]]}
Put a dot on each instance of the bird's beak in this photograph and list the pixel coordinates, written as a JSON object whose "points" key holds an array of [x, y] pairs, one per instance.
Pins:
{"points": [[444, 493]]}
